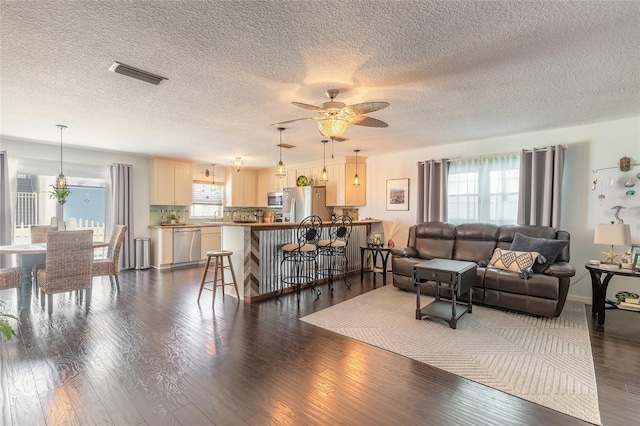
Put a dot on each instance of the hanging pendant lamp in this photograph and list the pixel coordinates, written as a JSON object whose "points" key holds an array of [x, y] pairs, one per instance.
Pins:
{"points": [[280, 170], [61, 180], [324, 176], [237, 164], [356, 178]]}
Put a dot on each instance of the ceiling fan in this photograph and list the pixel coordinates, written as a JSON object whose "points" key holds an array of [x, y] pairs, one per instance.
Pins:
{"points": [[336, 116]]}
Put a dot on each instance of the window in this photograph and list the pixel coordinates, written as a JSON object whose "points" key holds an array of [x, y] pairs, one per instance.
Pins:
{"points": [[483, 190], [84, 208], [207, 201]]}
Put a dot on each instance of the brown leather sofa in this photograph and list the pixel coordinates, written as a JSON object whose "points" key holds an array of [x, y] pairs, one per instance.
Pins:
{"points": [[541, 294]]}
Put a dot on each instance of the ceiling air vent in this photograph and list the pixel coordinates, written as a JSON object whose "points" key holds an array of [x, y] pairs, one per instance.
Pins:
{"points": [[137, 73]]}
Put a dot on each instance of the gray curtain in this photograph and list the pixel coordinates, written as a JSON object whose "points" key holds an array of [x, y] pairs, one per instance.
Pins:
{"points": [[5, 208], [432, 191], [121, 209], [541, 186]]}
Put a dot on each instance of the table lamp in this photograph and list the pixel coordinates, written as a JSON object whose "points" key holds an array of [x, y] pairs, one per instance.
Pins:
{"points": [[613, 234]]}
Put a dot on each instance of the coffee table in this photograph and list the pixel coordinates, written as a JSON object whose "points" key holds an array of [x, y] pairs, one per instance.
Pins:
{"points": [[455, 275]]}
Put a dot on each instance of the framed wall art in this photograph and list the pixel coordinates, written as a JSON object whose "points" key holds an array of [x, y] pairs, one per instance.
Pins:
{"points": [[398, 194]]}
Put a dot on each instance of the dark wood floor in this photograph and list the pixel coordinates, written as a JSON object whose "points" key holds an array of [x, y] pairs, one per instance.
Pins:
{"points": [[149, 355]]}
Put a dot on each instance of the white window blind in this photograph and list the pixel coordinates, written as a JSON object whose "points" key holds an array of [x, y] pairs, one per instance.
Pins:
{"points": [[207, 194]]}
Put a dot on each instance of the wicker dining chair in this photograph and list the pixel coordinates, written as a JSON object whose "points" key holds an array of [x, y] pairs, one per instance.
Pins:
{"points": [[39, 234], [11, 278], [68, 265], [110, 265]]}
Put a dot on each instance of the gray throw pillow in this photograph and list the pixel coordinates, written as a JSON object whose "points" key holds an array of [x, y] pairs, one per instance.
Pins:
{"points": [[548, 249]]}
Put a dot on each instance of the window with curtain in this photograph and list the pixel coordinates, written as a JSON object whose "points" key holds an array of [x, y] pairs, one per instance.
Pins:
{"points": [[207, 201], [483, 190]]}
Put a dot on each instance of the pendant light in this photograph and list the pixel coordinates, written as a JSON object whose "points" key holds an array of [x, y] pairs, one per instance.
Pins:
{"points": [[237, 164], [324, 176], [356, 178], [280, 170], [61, 181]]}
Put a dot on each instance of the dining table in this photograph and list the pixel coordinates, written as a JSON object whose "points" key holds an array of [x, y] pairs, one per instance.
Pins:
{"points": [[29, 255]]}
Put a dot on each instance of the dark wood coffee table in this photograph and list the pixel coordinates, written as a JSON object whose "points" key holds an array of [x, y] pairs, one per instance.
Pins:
{"points": [[455, 275]]}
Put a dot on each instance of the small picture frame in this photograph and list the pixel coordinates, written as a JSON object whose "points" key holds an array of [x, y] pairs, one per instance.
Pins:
{"points": [[398, 194], [636, 263], [634, 250]]}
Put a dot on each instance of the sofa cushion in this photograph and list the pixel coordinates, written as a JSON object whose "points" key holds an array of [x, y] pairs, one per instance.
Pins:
{"points": [[514, 261], [435, 240], [475, 241], [549, 249]]}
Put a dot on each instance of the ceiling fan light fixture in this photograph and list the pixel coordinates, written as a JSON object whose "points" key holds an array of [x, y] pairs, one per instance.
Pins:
{"points": [[332, 127]]}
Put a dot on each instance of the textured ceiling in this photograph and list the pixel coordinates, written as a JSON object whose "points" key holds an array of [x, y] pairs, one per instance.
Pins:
{"points": [[452, 71]]}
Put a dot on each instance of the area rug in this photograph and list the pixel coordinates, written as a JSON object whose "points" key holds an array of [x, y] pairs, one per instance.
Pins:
{"points": [[547, 361]]}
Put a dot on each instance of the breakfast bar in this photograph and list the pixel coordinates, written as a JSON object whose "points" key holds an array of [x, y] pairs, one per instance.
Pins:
{"points": [[256, 257]]}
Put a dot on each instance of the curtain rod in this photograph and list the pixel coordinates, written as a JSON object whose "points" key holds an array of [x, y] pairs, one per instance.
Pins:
{"points": [[453, 160]]}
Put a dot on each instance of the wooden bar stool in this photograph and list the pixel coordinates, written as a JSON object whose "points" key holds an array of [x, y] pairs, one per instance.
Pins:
{"points": [[218, 267]]}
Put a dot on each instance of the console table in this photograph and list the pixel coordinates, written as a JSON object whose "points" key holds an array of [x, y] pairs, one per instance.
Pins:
{"points": [[455, 275], [600, 277]]}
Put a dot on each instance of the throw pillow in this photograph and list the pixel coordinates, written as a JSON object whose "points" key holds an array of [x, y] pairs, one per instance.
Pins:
{"points": [[548, 249], [510, 260]]}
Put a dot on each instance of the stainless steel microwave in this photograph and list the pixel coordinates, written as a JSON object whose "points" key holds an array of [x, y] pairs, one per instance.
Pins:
{"points": [[274, 199]]}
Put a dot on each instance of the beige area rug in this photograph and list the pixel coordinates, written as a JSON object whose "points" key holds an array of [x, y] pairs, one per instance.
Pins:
{"points": [[547, 361]]}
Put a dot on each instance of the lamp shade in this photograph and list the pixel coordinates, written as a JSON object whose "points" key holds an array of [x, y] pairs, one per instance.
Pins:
{"points": [[614, 234], [332, 127]]}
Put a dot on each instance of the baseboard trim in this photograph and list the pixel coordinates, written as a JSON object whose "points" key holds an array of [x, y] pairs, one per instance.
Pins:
{"points": [[581, 299]]}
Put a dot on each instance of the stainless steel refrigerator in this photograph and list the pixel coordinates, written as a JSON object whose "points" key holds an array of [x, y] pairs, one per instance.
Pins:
{"points": [[302, 201]]}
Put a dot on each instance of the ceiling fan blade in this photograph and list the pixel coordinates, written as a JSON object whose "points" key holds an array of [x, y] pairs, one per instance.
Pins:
{"points": [[362, 120], [367, 107], [291, 121], [307, 106], [338, 139]]}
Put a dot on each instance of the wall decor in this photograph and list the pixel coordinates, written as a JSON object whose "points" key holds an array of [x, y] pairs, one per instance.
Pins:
{"points": [[398, 194], [635, 251]]}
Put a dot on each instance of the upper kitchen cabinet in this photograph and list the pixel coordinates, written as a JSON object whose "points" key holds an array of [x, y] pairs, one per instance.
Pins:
{"points": [[267, 182], [170, 182], [340, 189], [240, 188]]}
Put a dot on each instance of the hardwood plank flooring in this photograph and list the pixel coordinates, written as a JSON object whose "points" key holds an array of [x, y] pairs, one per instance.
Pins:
{"points": [[148, 354]]}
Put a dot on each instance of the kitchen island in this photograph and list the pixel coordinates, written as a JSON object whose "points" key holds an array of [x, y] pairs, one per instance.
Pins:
{"points": [[256, 257]]}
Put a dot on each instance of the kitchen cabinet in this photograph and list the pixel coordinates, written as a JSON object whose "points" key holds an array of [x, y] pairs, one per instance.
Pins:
{"points": [[340, 189], [240, 188], [210, 239], [170, 182], [161, 247], [267, 182]]}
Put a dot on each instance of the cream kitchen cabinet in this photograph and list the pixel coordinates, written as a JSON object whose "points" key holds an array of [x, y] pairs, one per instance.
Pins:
{"points": [[161, 247], [267, 182], [340, 189], [170, 183], [210, 239], [240, 188]]}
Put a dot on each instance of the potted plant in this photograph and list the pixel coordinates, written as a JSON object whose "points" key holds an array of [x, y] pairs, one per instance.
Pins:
{"points": [[5, 328], [59, 194]]}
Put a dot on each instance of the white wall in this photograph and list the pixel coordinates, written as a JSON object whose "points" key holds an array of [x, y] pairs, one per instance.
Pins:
{"points": [[589, 147], [17, 148]]}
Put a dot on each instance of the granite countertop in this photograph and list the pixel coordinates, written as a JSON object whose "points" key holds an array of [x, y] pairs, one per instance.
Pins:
{"points": [[257, 225]]}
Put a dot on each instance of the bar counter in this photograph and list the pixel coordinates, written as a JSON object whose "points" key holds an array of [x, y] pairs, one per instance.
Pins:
{"points": [[256, 253]]}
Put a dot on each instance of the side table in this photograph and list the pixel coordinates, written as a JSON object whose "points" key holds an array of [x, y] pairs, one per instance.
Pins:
{"points": [[600, 277], [456, 275], [375, 251]]}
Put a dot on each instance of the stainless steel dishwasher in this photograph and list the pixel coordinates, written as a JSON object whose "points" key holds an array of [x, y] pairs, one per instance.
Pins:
{"points": [[186, 246]]}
